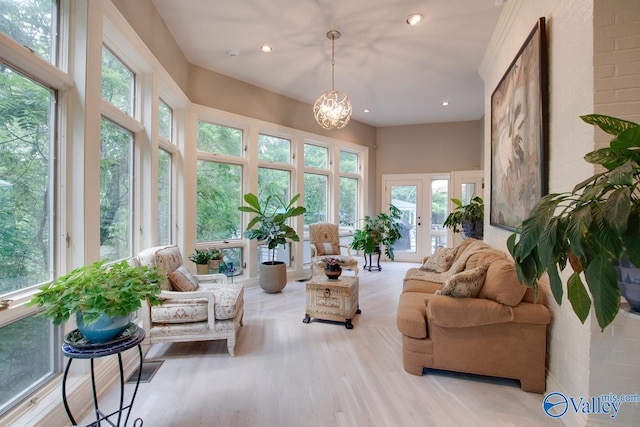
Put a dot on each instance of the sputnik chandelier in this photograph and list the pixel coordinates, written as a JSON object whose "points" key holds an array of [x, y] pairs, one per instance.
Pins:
{"points": [[333, 109]]}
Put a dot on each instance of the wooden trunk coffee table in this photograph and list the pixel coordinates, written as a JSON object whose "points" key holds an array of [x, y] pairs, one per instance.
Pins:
{"points": [[335, 300]]}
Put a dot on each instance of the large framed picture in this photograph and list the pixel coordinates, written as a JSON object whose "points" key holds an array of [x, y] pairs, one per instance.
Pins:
{"points": [[519, 134]]}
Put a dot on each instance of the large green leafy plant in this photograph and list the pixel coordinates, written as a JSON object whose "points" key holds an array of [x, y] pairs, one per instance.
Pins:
{"points": [[471, 212], [597, 222], [271, 220], [383, 229], [115, 290]]}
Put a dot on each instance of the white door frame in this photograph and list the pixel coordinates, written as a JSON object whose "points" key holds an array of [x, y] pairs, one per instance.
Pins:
{"points": [[423, 209]]}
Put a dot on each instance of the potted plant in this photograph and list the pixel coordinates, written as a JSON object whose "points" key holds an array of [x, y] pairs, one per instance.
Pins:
{"points": [[216, 257], [384, 229], [596, 223], [102, 297], [201, 258], [469, 217], [332, 267], [271, 227]]}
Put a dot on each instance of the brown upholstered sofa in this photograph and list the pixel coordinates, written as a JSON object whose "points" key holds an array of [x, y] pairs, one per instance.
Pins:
{"points": [[502, 332]]}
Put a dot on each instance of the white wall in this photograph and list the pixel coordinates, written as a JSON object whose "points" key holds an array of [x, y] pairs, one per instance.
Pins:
{"points": [[582, 360]]}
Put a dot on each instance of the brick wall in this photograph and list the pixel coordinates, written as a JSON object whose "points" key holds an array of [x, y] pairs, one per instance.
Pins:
{"points": [[615, 353]]}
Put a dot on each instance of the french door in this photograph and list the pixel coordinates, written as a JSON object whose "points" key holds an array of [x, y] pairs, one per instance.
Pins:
{"points": [[423, 201]]}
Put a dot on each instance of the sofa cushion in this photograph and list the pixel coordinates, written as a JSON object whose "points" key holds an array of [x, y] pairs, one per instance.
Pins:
{"points": [[501, 284], [180, 311], [229, 298], [466, 283], [466, 312], [181, 280], [441, 260]]}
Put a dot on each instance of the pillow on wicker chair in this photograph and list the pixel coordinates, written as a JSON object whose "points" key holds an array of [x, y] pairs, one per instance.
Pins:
{"points": [[181, 280]]}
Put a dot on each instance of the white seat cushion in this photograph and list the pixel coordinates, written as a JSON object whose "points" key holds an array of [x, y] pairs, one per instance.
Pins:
{"points": [[228, 299]]}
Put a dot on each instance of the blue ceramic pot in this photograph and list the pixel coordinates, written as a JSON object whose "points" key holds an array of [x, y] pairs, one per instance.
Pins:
{"points": [[629, 282], [105, 329]]}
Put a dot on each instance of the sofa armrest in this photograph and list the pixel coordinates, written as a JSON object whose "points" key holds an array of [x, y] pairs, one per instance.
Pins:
{"points": [[450, 312], [526, 312]]}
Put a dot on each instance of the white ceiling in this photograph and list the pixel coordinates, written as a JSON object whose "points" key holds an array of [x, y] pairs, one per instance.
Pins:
{"points": [[401, 73]]}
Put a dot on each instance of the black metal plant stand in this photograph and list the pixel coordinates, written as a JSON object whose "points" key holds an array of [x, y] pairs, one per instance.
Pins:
{"points": [[370, 265], [95, 352]]}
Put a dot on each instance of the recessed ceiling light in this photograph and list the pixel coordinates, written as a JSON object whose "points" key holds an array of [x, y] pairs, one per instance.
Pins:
{"points": [[414, 19], [266, 48], [445, 103], [366, 110]]}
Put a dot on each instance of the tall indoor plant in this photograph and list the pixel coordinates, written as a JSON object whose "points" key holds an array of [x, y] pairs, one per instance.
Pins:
{"points": [[469, 217], [270, 225], [100, 295], [383, 229], [596, 223]]}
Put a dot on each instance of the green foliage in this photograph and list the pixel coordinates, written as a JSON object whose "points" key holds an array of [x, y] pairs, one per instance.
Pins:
{"points": [[200, 256], [25, 181], [94, 289], [597, 222], [384, 229], [471, 212], [270, 220]]}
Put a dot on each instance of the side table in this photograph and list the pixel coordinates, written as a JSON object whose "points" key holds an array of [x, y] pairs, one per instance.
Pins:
{"points": [[93, 352], [335, 300]]}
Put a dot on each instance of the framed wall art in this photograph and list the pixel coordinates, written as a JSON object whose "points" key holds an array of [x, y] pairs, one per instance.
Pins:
{"points": [[519, 134]]}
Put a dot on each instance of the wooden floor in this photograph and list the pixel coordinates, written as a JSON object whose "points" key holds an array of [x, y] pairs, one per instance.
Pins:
{"points": [[288, 373]]}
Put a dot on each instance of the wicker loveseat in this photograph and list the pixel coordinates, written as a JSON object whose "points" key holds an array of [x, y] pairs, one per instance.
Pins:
{"points": [[209, 309]]}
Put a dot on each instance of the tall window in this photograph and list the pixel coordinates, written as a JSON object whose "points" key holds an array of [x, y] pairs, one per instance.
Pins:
{"points": [[165, 173], [27, 194], [219, 187], [117, 82], [349, 179], [164, 197], [32, 23], [274, 180], [316, 181], [116, 196]]}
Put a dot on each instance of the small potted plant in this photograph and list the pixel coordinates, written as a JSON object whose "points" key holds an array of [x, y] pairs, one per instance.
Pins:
{"points": [[201, 258], [271, 227], [384, 229], [469, 217], [101, 296], [216, 257], [332, 267]]}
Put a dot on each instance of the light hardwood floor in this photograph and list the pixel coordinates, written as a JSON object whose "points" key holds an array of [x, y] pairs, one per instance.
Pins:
{"points": [[288, 373]]}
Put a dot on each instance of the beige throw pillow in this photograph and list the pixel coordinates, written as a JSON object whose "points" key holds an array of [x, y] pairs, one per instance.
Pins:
{"points": [[327, 249], [441, 260], [181, 280], [466, 284]]}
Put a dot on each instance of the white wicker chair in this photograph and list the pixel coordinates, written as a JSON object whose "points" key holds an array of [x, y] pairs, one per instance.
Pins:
{"points": [[212, 312], [324, 239]]}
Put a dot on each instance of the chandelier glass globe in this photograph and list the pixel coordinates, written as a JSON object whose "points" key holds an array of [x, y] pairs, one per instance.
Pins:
{"points": [[332, 110]]}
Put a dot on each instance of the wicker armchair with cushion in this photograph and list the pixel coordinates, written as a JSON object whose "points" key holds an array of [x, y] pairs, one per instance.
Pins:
{"points": [[195, 307], [324, 239]]}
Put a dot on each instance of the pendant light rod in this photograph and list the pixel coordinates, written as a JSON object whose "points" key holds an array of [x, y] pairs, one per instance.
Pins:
{"points": [[333, 35]]}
